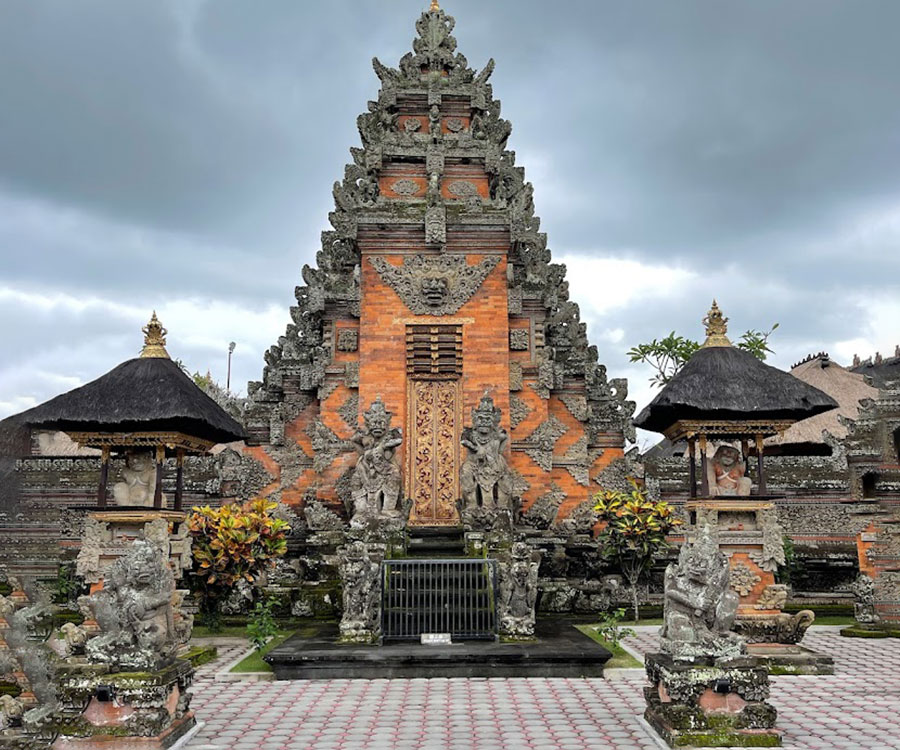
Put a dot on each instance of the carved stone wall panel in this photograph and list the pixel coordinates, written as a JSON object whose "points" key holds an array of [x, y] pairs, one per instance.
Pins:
{"points": [[519, 339], [347, 340], [434, 284], [518, 410]]}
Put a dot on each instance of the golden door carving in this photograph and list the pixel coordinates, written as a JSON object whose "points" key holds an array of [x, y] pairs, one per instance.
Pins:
{"points": [[433, 466]]}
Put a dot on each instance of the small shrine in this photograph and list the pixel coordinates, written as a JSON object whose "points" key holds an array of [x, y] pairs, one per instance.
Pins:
{"points": [[725, 402]]}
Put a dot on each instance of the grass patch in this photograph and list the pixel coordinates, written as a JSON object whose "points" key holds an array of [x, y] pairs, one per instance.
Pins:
{"points": [[621, 659], [226, 631], [254, 662]]}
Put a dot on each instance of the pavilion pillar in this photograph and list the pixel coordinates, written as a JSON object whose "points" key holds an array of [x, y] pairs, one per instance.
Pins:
{"points": [[157, 491], [179, 478], [104, 476], [704, 466], [692, 453], [760, 471]]}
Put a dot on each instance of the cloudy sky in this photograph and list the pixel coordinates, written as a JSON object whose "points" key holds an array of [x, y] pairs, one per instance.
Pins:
{"points": [[179, 155]]}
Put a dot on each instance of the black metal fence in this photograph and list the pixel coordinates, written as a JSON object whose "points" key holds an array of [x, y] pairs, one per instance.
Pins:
{"points": [[439, 596]]}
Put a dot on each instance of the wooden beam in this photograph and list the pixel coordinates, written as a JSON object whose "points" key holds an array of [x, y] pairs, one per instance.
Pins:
{"points": [[760, 471], [179, 478], [157, 491], [704, 467], [104, 476], [692, 453]]}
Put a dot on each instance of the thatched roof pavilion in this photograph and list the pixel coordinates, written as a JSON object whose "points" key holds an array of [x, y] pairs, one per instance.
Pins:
{"points": [[725, 392], [147, 402]]}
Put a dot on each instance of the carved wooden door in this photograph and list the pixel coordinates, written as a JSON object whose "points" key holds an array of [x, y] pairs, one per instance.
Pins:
{"points": [[434, 365]]}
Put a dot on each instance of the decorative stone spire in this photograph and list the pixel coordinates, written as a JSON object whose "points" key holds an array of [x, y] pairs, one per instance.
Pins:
{"points": [[716, 327], [154, 339], [435, 8]]}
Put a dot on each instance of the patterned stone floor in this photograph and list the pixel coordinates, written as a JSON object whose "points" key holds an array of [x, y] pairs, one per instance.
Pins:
{"points": [[858, 707]]}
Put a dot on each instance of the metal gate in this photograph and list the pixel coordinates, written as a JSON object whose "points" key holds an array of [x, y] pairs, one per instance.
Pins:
{"points": [[439, 596]]}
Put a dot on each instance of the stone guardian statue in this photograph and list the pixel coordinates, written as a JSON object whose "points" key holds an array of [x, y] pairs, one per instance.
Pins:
{"points": [[375, 484], [485, 478]]}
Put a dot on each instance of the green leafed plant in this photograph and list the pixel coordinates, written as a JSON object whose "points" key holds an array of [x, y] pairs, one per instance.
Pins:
{"points": [[232, 543], [261, 627], [610, 628], [635, 531]]}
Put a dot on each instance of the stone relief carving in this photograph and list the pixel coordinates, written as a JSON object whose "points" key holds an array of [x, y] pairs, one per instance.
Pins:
{"points": [[518, 591], [134, 611], [772, 554], [543, 439], [434, 285], [435, 226], [320, 518], [375, 485], [576, 404], [515, 376], [485, 478], [543, 511], [519, 339], [581, 520], [773, 596], [412, 125], [700, 608], [742, 579], [360, 574], [326, 445], [518, 410], [406, 187], [462, 188], [349, 411], [455, 124], [347, 340]]}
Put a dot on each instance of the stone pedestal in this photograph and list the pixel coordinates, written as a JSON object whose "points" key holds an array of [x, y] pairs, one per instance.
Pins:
{"points": [[147, 710], [108, 535], [750, 536], [710, 702]]}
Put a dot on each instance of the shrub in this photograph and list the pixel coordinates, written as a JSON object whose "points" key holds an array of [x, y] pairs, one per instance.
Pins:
{"points": [[635, 531], [232, 543], [261, 625], [610, 629]]}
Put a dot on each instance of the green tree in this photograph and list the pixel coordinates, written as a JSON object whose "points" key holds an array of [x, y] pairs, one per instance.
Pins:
{"points": [[667, 356], [635, 532]]}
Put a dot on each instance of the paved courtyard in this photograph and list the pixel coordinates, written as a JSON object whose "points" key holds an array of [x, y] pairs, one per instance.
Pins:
{"points": [[858, 707]]}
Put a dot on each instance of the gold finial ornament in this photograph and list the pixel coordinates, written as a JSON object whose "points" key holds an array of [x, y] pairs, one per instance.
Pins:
{"points": [[716, 327], [154, 339], [434, 7]]}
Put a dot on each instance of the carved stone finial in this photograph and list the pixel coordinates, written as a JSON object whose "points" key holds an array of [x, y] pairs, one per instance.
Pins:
{"points": [[716, 327], [154, 339]]}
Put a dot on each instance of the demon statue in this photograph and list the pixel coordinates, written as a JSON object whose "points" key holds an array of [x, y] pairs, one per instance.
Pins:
{"points": [[360, 579], [700, 606], [135, 613], [485, 478], [138, 480], [726, 473], [518, 592], [375, 485]]}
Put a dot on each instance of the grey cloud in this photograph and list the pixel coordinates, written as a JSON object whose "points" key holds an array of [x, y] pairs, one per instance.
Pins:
{"points": [[157, 150]]}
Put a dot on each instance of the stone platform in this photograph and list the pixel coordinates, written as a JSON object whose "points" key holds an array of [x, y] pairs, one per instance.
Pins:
{"points": [[787, 659], [559, 650]]}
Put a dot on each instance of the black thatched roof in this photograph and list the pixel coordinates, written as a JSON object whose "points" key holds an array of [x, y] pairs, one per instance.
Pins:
{"points": [[146, 394], [724, 382]]}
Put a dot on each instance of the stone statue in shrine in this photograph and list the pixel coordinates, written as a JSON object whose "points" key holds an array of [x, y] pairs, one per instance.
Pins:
{"points": [[485, 478], [138, 480], [518, 591], [726, 473], [375, 484], [135, 613], [700, 607]]}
